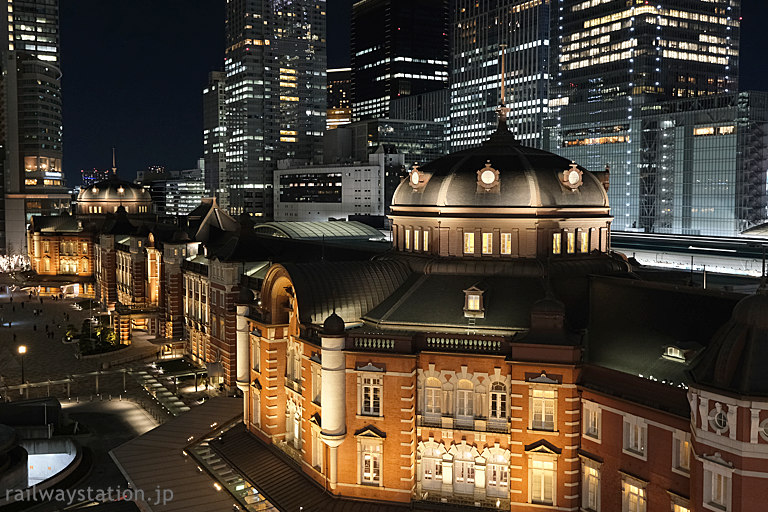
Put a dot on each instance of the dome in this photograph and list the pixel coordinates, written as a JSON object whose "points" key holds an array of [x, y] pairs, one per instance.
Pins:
{"points": [[736, 357], [519, 177], [333, 325], [106, 196]]}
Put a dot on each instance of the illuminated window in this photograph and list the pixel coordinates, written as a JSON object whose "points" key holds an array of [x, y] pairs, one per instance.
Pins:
{"points": [[571, 237], [726, 130], [487, 243], [583, 241], [506, 243], [706, 130], [632, 497], [590, 481], [416, 239], [426, 240], [407, 239], [635, 433], [498, 403], [469, 243], [542, 481], [473, 302], [556, 239], [30, 181], [433, 394], [370, 395], [543, 405], [681, 451], [371, 464], [680, 508], [591, 420]]}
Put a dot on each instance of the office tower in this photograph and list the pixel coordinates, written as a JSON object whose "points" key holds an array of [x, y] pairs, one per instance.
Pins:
{"points": [[215, 138], [92, 176], [619, 67], [399, 47], [481, 31], [175, 192], [33, 182], [275, 94], [339, 94]]}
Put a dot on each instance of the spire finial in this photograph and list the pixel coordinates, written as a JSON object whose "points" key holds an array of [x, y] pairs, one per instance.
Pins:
{"points": [[114, 165], [503, 110]]}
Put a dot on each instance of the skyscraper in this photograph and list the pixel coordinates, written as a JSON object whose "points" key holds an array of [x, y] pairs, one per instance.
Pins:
{"points": [[480, 30], [618, 68], [275, 91], [215, 138], [33, 182], [339, 97], [399, 48]]}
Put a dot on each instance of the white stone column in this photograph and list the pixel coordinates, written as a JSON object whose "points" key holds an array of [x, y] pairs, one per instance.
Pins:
{"points": [[243, 351], [333, 396]]}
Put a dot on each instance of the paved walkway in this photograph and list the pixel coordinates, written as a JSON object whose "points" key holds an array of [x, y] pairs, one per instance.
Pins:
{"points": [[46, 357]]}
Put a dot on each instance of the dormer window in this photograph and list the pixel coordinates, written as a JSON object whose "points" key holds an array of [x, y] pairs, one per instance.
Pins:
{"points": [[473, 303], [674, 353]]}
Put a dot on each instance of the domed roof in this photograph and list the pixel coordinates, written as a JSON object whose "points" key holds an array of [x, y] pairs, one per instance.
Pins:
{"points": [[525, 177], [736, 358], [115, 190], [333, 325]]}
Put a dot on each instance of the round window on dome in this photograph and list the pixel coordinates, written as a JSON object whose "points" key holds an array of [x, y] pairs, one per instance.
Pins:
{"points": [[415, 177], [488, 177], [718, 420], [763, 429]]}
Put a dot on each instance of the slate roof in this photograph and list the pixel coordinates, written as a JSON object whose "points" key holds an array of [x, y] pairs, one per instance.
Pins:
{"points": [[427, 302], [320, 230], [349, 288], [281, 481], [632, 322]]}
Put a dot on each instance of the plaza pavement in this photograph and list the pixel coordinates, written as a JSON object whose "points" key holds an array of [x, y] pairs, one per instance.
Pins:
{"points": [[48, 358]]}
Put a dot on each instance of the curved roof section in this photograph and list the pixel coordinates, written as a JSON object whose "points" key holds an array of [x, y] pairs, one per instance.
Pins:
{"points": [[528, 177], [736, 358], [114, 189], [351, 289], [318, 230]]}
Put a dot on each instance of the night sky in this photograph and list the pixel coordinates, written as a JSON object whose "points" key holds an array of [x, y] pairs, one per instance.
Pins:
{"points": [[133, 75]]}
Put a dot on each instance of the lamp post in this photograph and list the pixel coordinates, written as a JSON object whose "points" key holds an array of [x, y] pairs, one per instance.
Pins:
{"points": [[22, 351]]}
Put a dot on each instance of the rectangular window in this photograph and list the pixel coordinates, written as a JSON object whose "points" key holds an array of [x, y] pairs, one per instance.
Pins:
{"points": [[592, 420], [371, 396], [316, 383], [416, 239], [542, 481], [317, 450], [432, 472], [543, 409], [681, 451], [635, 431], [473, 302], [583, 240], [633, 498], [680, 508], [498, 480], [590, 499], [571, 236], [426, 240], [556, 237], [719, 490], [255, 356], [506, 243], [469, 243], [498, 401], [407, 239], [433, 399], [487, 243], [371, 464]]}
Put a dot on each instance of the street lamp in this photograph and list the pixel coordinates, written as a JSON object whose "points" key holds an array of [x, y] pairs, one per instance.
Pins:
{"points": [[22, 351]]}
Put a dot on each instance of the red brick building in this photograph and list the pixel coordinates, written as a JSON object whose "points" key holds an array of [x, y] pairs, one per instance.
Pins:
{"points": [[500, 357]]}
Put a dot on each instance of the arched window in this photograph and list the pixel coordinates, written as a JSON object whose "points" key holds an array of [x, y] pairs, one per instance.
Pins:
{"points": [[464, 403], [464, 473], [433, 398], [498, 405]]}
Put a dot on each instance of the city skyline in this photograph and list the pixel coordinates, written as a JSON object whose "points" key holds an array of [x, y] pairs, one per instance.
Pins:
{"points": [[162, 124]]}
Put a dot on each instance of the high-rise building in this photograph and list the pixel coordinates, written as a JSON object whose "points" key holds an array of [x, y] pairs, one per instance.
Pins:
{"points": [[481, 30], [618, 74], [92, 176], [33, 182], [399, 47], [339, 97], [215, 138], [175, 192], [275, 91]]}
